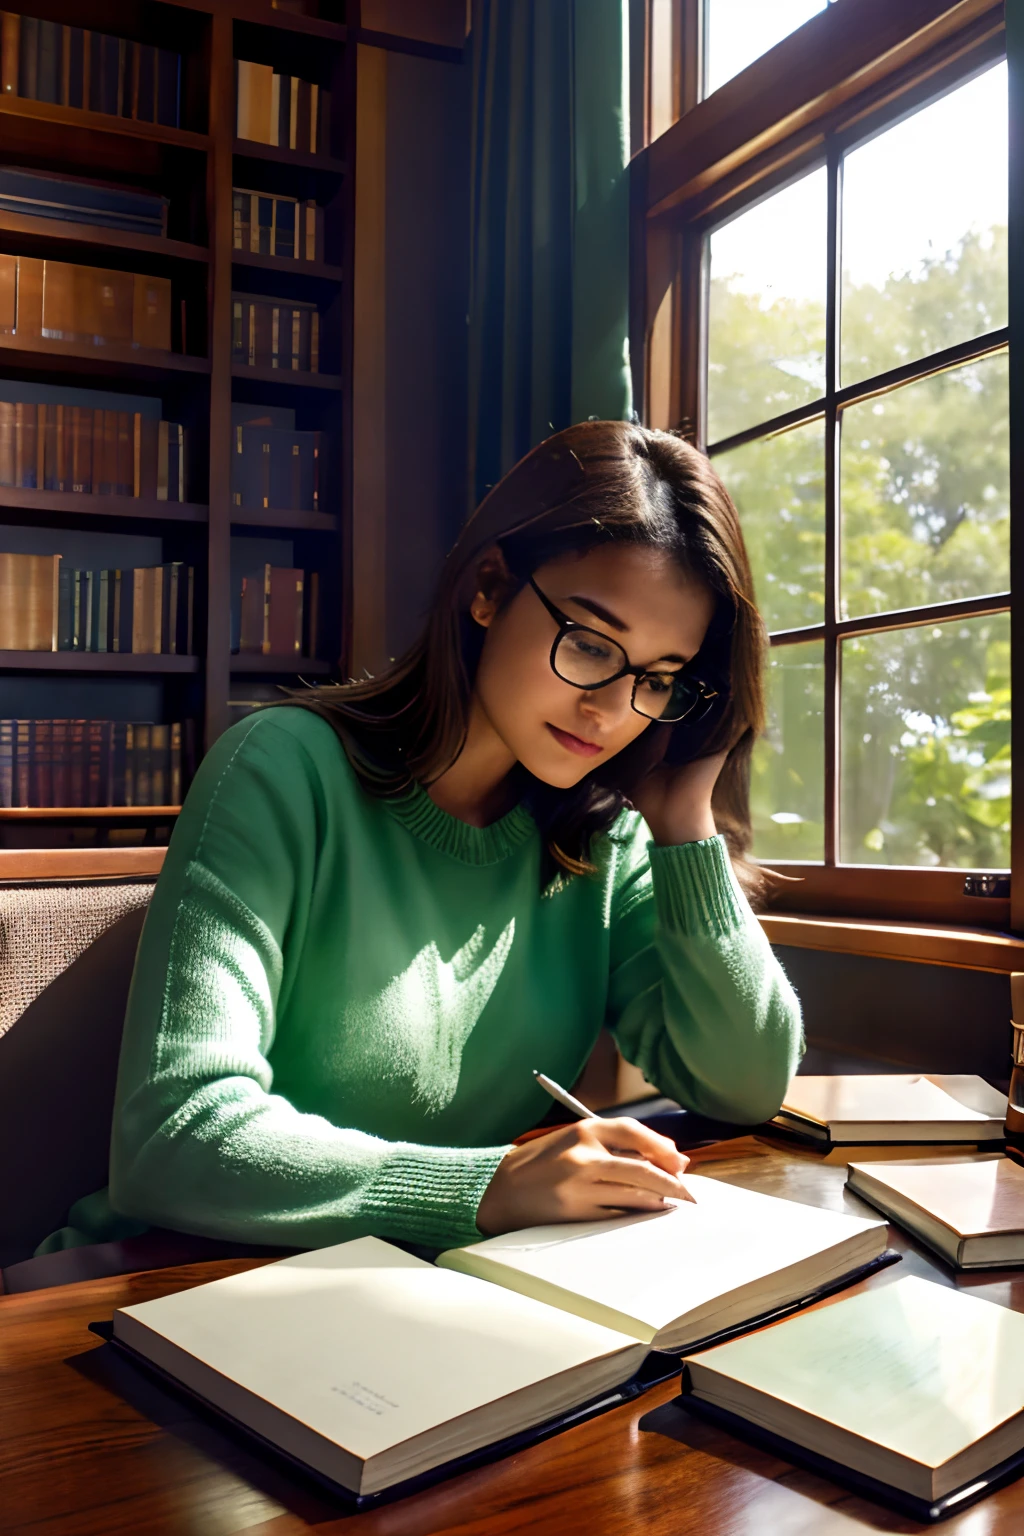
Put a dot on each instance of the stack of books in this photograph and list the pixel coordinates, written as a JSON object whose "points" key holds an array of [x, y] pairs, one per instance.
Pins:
{"points": [[273, 465], [274, 226], [275, 333], [276, 620], [280, 109], [45, 764], [71, 67], [144, 611], [72, 199], [46, 606], [61, 301], [57, 447]]}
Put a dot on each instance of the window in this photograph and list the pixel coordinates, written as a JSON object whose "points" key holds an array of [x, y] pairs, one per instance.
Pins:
{"points": [[850, 377]]}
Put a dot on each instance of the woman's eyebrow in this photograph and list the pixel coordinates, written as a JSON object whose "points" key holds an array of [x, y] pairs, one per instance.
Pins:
{"points": [[607, 617]]}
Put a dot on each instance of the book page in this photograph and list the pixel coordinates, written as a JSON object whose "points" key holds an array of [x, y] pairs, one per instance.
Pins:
{"points": [[659, 1266], [884, 1097], [368, 1345], [918, 1368]]}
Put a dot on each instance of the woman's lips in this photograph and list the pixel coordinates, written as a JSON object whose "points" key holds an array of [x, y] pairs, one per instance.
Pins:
{"points": [[574, 743]]}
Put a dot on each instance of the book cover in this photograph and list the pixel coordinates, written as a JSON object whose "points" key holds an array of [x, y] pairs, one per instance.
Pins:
{"points": [[151, 312], [7, 762], [23, 763], [174, 757], [8, 294], [10, 38], [159, 737], [147, 610], [59, 744], [48, 69], [76, 762], [30, 297], [8, 458], [142, 764], [28, 58], [284, 612], [41, 764]]}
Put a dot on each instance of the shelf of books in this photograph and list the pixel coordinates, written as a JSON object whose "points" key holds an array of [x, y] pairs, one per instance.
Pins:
{"points": [[175, 357]]}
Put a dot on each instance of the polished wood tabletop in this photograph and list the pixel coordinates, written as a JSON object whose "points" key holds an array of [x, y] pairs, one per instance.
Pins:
{"points": [[90, 1446]]}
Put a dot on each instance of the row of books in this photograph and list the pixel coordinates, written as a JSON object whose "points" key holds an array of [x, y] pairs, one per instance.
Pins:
{"points": [[275, 467], [62, 301], [52, 763], [280, 109], [266, 225], [73, 199], [53, 447], [276, 618], [275, 333], [47, 606], [73, 67]]}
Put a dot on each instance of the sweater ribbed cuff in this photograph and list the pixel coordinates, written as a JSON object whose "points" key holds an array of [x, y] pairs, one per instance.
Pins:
{"points": [[695, 890], [430, 1195]]}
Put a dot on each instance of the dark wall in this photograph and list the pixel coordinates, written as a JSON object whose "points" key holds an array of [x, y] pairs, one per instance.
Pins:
{"points": [[428, 138], [898, 1016]]}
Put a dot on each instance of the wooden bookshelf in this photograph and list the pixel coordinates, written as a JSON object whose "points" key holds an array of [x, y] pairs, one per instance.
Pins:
{"points": [[195, 165]]}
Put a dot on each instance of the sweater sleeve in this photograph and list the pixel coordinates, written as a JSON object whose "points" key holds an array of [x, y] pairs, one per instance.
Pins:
{"points": [[697, 998], [201, 1142]]}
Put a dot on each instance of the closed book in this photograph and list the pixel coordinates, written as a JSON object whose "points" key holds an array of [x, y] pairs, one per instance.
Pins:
{"points": [[285, 209], [142, 764], [147, 610], [60, 777], [301, 116], [25, 445], [65, 583], [116, 764], [322, 132], [30, 297], [78, 639], [75, 758], [125, 454], [28, 602], [6, 763], [102, 631], [151, 312], [265, 207], [95, 762], [310, 224], [239, 220], [144, 83], [257, 102], [159, 766], [311, 645], [129, 766], [82, 202], [28, 64], [284, 612], [41, 764], [8, 293], [168, 88], [76, 67], [8, 457], [169, 613], [174, 759], [87, 581], [912, 1388], [48, 69], [118, 625], [970, 1210], [254, 634], [23, 763], [81, 447], [10, 36], [892, 1107]]}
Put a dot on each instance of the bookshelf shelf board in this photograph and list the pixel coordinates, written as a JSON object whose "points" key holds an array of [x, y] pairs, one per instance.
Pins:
{"points": [[103, 122], [251, 149], [277, 517], [82, 504], [290, 264], [291, 378], [88, 812], [303, 666], [64, 232], [43, 354], [267, 16], [94, 661]]}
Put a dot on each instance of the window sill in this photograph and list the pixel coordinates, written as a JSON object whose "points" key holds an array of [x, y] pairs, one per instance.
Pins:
{"points": [[975, 949]]}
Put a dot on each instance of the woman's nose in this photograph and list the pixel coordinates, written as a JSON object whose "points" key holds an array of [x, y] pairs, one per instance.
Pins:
{"points": [[612, 702]]}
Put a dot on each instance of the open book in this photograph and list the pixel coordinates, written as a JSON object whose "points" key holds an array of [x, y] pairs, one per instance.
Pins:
{"points": [[912, 1385], [893, 1107], [373, 1367]]}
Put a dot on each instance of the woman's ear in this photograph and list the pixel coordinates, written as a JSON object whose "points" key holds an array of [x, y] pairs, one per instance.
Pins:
{"points": [[494, 582]]}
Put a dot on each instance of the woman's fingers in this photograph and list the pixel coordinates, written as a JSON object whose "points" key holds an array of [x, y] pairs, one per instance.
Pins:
{"points": [[626, 1134], [636, 1174]]}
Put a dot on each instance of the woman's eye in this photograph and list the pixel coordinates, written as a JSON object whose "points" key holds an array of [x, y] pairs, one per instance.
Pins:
{"points": [[588, 647], [658, 684]]}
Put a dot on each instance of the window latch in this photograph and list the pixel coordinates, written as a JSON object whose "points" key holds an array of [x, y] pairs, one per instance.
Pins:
{"points": [[987, 885]]}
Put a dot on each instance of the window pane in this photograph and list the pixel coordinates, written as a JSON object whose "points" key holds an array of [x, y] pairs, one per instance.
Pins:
{"points": [[766, 311], [787, 783], [778, 485], [925, 755], [925, 486], [924, 231], [739, 31]]}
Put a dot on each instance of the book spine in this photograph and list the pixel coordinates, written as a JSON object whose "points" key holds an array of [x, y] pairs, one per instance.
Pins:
{"points": [[31, 272], [129, 765], [103, 612], [8, 294], [151, 312], [174, 787], [59, 750], [313, 615], [41, 764], [64, 608], [95, 759], [125, 454], [22, 763], [65, 66], [8, 445], [143, 782], [28, 66], [6, 764], [159, 745], [115, 610], [10, 38]]}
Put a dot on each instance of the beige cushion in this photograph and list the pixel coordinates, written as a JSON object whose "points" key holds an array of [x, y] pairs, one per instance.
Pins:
{"points": [[44, 929]]}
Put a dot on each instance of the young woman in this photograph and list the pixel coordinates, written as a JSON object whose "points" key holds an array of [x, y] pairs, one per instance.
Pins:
{"points": [[384, 904]]}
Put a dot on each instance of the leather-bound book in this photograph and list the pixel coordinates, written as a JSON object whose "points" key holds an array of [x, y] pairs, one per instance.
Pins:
{"points": [[10, 35], [151, 322], [284, 618], [258, 102], [116, 764], [95, 762], [81, 447], [26, 445], [28, 63], [60, 777], [6, 764], [254, 633], [129, 766], [125, 454], [8, 441], [174, 764], [23, 762], [159, 764], [76, 761], [30, 297], [285, 211], [147, 610], [28, 602], [48, 69], [143, 763], [41, 765], [8, 294], [311, 644]]}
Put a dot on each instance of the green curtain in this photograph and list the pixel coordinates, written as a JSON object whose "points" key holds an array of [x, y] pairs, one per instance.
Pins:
{"points": [[549, 262]]}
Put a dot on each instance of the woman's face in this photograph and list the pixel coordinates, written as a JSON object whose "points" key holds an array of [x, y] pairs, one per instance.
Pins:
{"points": [[638, 597]]}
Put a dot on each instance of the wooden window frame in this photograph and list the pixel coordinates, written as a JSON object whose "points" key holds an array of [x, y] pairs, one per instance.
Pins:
{"points": [[857, 67]]}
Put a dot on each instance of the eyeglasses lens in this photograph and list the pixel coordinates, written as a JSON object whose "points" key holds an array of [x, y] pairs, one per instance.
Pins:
{"points": [[584, 657]]}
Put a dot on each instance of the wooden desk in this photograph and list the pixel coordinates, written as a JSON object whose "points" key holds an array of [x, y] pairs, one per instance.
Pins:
{"points": [[88, 1446]]}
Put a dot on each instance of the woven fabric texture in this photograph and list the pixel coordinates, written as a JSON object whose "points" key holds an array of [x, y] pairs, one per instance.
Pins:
{"points": [[43, 930]]}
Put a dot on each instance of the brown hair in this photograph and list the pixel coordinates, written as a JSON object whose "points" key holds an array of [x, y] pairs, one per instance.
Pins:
{"points": [[576, 490]]}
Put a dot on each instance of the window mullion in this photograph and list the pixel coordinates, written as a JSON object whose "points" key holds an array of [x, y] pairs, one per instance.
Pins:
{"points": [[832, 677]]}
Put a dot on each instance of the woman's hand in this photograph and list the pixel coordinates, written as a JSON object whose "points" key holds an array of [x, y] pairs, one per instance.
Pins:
{"points": [[584, 1172], [675, 802]]}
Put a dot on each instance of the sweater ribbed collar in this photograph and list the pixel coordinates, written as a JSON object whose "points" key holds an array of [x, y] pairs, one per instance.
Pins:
{"points": [[445, 832]]}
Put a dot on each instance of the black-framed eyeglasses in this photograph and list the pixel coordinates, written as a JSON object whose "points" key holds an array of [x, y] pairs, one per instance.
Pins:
{"points": [[586, 658]]}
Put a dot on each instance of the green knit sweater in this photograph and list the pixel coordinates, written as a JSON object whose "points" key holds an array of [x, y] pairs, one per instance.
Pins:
{"points": [[338, 1001]]}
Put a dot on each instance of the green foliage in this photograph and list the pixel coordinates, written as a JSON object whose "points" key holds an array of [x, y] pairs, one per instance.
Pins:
{"points": [[924, 485]]}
